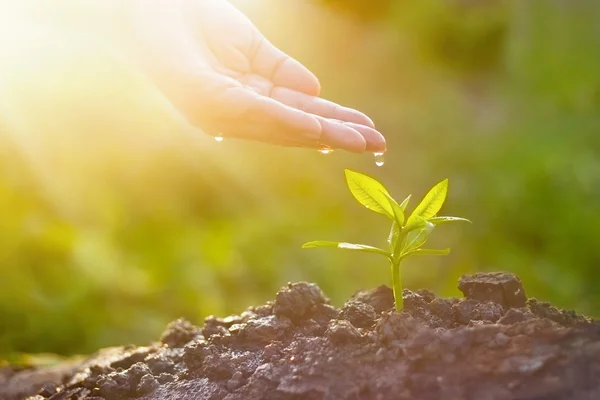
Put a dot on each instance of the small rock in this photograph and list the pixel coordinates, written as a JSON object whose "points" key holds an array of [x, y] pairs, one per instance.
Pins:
{"points": [[166, 378], [159, 364], [193, 355], [311, 327], [442, 309], [137, 371], [342, 332], [323, 313], [426, 295], [271, 351], [179, 332], [263, 330], [515, 315], [218, 326], [236, 381], [110, 389], [263, 310], [297, 300], [380, 298], [148, 384], [472, 310], [361, 315], [413, 300], [499, 287]]}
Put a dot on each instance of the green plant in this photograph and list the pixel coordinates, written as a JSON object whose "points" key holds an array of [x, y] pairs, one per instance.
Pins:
{"points": [[407, 235]]}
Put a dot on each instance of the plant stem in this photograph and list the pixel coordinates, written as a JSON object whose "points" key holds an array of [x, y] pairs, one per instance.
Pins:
{"points": [[397, 285]]}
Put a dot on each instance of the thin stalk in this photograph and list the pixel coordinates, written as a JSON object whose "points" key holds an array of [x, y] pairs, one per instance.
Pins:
{"points": [[397, 285]]}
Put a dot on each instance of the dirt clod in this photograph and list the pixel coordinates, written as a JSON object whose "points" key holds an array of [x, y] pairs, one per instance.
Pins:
{"points": [[499, 287], [262, 331], [148, 384], [473, 310], [297, 300], [179, 332], [361, 315], [342, 332], [380, 298]]}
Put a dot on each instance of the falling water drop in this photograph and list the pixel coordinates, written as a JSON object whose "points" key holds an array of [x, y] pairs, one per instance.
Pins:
{"points": [[219, 138], [379, 159]]}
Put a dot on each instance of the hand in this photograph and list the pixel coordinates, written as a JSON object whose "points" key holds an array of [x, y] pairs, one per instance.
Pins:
{"points": [[229, 80]]}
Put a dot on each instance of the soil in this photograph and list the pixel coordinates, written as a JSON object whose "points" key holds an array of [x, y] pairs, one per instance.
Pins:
{"points": [[493, 344]]}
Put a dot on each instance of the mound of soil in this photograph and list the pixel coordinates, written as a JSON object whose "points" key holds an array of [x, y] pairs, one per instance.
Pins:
{"points": [[493, 344]]}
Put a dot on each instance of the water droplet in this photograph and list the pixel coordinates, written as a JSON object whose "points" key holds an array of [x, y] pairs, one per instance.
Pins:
{"points": [[219, 138], [325, 151], [379, 159]]}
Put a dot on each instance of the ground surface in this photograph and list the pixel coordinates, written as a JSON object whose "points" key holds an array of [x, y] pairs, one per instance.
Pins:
{"points": [[494, 344]]}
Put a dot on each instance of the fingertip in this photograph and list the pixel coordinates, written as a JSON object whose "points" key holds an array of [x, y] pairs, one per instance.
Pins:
{"points": [[375, 141], [357, 117], [367, 121], [340, 136]]}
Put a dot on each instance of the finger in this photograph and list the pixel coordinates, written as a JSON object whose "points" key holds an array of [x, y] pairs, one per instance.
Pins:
{"points": [[375, 141], [337, 135], [319, 106], [273, 64]]}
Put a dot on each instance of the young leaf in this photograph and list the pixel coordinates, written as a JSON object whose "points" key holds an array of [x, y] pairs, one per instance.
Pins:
{"points": [[424, 252], [445, 220], [393, 236], [396, 208], [369, 192], [431, 203], [347, 246], [405, 202], [417, 224], [418, 238]]}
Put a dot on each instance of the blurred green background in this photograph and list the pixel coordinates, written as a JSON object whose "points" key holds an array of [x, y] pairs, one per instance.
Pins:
{"points": [[501, 97]]}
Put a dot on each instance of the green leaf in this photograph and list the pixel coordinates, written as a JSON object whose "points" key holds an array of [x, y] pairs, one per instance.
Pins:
{"points": [[431, 203], [425, 252], [445, 220], [347, 246], [396, 208], [418, 238], [369, 192], [419, 223], [405, 202], [393, 236]]}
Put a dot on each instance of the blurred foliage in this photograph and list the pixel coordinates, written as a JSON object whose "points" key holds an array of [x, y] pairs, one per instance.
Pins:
{"points": [[110, 227]]}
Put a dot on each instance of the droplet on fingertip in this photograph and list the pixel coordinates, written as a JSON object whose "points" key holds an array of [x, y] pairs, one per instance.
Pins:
{"points": [[379, 159]]}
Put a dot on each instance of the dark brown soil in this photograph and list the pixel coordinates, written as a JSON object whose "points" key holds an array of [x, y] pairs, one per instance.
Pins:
{"points": [[495, 344]]}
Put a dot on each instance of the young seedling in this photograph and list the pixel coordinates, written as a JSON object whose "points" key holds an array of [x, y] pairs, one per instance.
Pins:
{"points": [[407, 235]]}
